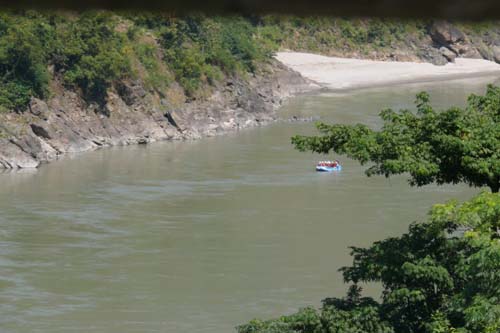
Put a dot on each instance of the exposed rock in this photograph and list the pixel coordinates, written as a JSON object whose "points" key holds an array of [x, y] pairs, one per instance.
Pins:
{"points": [[401, 56], [433, 56], [448, 54], [131, 92], [40, 131], [170, 117], [465, 50], [485, 52], [13, 157], [39, 108], [445, 33], [496, 54]]}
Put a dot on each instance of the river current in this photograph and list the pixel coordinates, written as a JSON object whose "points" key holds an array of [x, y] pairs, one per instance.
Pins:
{"points": [[202, 236]]}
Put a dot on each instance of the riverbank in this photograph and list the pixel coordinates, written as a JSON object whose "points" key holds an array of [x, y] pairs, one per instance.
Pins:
{"points": [[343, 73], [65, 123]]}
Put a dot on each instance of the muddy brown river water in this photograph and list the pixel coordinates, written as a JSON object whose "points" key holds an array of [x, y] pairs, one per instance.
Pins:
{"points": [[201, 236]]}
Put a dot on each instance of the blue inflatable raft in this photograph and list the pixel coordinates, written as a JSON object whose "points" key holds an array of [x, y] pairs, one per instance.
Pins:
{"points": [[328, 166]]}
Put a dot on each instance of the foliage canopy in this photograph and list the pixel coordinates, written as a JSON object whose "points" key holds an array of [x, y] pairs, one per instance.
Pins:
{"points": [[23, 57]]}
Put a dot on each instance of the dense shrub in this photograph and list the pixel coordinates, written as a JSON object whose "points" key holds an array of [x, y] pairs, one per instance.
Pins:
{"points": [[201, 49], [156, 77], [23, 60], [93, 55], [84, 50]]}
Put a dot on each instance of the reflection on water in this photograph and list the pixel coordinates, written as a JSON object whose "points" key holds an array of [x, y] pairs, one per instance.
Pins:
{"points": [[200, 236]]}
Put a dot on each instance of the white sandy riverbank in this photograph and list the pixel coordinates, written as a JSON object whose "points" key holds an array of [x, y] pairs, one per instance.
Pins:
{"points": [[342, 73]]}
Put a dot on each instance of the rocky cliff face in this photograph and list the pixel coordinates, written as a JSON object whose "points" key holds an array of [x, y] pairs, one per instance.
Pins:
{"points": [[452, 42], [65, 123]]}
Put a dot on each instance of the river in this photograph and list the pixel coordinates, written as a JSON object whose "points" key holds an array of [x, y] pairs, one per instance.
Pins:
{"points": [[201, 236]]}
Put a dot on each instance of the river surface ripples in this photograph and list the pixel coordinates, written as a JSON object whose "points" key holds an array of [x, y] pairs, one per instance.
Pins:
{"points": [[202, 236]]}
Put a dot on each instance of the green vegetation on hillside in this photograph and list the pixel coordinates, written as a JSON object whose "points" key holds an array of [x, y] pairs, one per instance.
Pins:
{"points": [[443, 276], [25, 47], [83, 51], [92, 51], [201, 50], [95, 51], [451, 146]]}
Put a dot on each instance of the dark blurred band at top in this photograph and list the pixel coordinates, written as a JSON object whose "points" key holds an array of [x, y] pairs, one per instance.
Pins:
{"points": [[461, 9]]}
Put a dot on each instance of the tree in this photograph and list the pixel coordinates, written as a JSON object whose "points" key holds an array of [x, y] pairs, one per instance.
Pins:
{"points": [[451, 146], [442, 276], [92, 56], [23, 54]]}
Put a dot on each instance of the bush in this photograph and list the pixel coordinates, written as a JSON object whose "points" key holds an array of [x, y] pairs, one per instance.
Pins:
{"points": [[156, 76], [23, 60], [202, 50], [15, 95], [93, 55]]}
